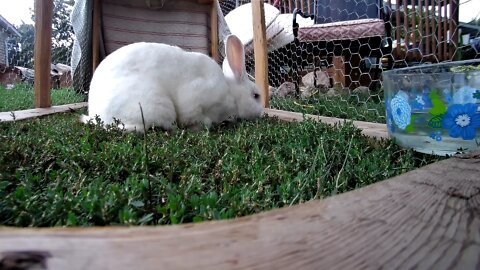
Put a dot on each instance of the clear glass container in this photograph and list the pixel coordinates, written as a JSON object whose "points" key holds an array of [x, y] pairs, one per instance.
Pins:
{"points": [[434, 108]]}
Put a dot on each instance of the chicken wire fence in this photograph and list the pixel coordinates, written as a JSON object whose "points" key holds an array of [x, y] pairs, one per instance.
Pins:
{"points": [[328, 61]]}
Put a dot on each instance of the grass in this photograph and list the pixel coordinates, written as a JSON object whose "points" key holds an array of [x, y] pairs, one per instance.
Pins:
{"points": [[55, 171], [353, 107], [22, 97]]}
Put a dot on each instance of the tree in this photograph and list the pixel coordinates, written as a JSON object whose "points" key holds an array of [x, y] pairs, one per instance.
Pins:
{"points": [[62, 31], [20, 50]]}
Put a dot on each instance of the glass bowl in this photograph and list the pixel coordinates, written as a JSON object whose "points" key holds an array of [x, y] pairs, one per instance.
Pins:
{"points": [[434, 108]]}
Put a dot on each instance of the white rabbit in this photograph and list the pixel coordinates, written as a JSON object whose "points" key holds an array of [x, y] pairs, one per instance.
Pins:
{"points": [[172, 86]]}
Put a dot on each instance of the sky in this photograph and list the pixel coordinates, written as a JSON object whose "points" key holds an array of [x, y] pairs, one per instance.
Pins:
{"points": [[19, 10]]}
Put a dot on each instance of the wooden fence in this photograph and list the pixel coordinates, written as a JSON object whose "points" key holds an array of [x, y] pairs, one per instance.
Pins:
{"points": [[422, 30]]}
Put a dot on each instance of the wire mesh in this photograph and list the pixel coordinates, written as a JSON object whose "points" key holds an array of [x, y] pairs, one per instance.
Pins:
{"points": [[331, 61]]}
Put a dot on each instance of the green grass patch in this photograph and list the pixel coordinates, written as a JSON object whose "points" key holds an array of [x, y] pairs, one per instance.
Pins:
{"points": [[55, 171], [353, 107], [22, 97]]}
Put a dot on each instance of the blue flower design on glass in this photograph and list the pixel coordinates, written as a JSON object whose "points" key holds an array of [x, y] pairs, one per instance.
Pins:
{"points": [[390, 125], [421, 102], [477, 94], [437, 135], [401, 110], [464, 95], [462, 120]]}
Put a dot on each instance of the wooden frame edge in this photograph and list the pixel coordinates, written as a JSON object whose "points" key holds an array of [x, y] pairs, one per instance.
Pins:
{"points": [[378, 226], [370, 129], [34, 113]]}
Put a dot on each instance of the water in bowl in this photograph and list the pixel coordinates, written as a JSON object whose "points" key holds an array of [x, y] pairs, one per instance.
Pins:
{"points": [[429, 141]]}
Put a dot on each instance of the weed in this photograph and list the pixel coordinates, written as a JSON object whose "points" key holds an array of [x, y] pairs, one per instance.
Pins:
{"points": [[55, 171]]}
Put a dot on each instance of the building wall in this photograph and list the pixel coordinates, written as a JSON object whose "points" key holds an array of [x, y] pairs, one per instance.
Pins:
{"points": [[3, 46]]}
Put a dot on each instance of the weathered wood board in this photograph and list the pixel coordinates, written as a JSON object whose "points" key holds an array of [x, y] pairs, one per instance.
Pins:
{"points": [[32, 113], [428, 218], [374, 130]]}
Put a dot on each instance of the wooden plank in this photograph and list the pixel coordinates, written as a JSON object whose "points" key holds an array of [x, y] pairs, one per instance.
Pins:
{"points": [[338, 71], [414, 30], [445, 31], [439, 33], [398, 28], [260, 49], [42, 52], [214, 31], [421, 42], [428, 218], [33, 113], [454, 11], [374, 130], [405, 25], [434, 35], [427, 28], [96, 33]]}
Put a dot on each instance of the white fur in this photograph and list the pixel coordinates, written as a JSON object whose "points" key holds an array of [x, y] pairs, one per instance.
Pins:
{"points": [[172, 86]]}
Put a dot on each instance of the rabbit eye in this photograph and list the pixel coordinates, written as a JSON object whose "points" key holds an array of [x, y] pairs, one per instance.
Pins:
{"points": [[256, 96]]}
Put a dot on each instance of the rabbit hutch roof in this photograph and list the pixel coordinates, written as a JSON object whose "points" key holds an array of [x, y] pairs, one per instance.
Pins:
{"points": [[184, 23]]}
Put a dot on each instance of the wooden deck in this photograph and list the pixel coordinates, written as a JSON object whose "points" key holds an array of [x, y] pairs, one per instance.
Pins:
{"points": [[425, 219]]}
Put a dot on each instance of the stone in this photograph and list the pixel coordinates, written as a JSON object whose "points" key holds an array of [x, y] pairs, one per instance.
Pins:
{"points": [[332, 93], [286, 89], [271, 91], [361, 91], [308, 91], [323, 81]]}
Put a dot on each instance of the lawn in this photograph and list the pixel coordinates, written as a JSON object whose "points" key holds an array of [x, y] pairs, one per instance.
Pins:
{"points": [[55, 171], [22, 97]]}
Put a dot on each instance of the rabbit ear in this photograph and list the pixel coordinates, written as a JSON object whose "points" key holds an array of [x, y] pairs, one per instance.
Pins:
{"points": [[235, 57]]}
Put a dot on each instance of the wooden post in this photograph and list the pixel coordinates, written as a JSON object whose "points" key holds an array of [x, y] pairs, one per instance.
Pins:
{"points": [[414, 28], [338, 72], [439, 33], [260, 47], [434, 37], [397, 31], [214, 31], [42, 52], [454, 28], [427, 29], [96, 32], [445, 31], [405, 25]]}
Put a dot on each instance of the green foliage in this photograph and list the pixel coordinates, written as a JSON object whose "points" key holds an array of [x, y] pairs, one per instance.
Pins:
{"points": [[62, 31], [438, 106], [55, 171], [22, 97], [21, 49]]}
